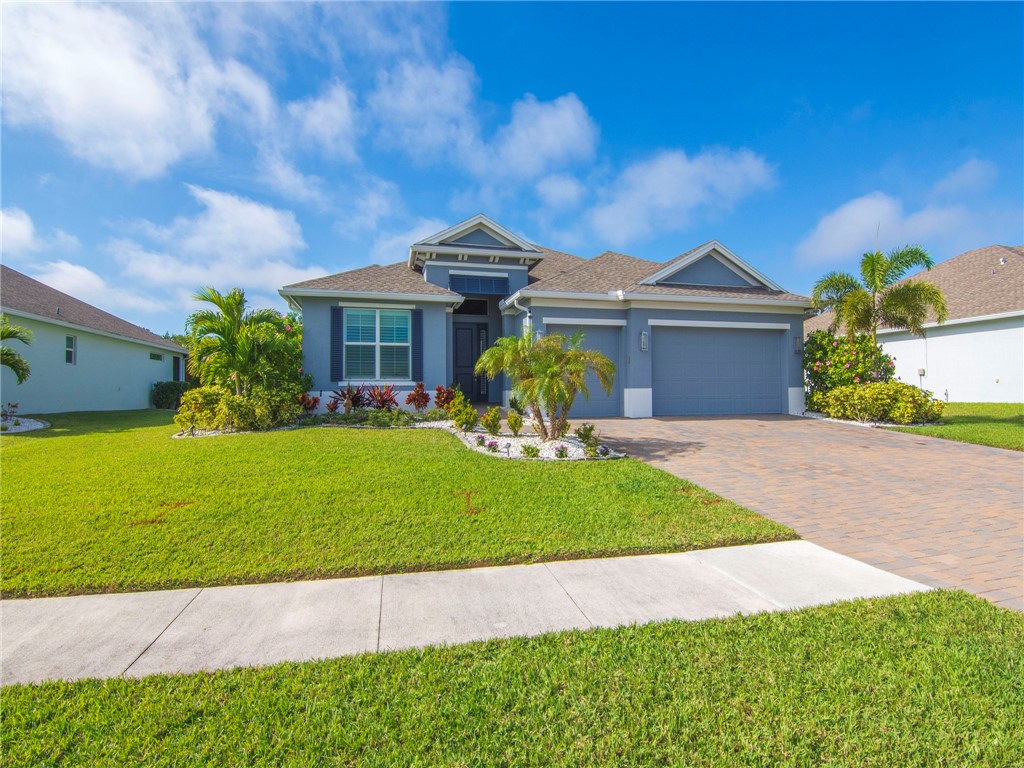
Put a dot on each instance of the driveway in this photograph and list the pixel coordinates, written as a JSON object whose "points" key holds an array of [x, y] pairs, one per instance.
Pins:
{"points": [[944, 513]]}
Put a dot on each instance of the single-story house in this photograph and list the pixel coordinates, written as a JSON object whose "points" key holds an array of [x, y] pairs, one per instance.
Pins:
{"points": [[82, 358], [977, 355], [702, 333]]}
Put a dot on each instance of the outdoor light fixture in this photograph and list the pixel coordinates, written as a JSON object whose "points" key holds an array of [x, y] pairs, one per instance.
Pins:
{"points": [[643, 341], [798, 346]]}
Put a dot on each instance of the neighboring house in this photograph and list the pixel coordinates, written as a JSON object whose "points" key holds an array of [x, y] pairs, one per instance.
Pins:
{"points": [[704, 333], [82, 358], [977, 355]]}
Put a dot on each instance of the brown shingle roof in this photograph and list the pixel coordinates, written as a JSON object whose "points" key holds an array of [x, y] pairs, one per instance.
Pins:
{"points": [[393, 278], [20, 292], [553, 263], [975, 284]]}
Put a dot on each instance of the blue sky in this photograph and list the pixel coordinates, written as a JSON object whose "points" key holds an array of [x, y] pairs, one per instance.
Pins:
{"points": [[151, 149]]}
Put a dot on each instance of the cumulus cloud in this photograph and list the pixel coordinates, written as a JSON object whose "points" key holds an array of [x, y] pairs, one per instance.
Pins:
{"points": [[132, 90], [665, 192], [84, 284], [851, 229], [975, 175], [328, 121], [283, 177], [543, 135], [18, 236], [371, 200], [560, 190], [390, 247]]}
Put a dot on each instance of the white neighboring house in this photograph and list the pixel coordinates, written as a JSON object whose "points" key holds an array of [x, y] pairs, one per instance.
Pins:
{"points": [[82, 358], [977, 355]]}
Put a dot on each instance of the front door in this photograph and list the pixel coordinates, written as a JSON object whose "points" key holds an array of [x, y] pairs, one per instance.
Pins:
{"points": [[470, 339]]}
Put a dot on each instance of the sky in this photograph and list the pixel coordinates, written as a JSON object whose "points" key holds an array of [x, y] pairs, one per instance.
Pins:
{"points": [[147, 150]]}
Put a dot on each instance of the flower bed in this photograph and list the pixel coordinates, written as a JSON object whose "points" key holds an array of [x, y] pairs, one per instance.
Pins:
{"points": [[511, 446]]}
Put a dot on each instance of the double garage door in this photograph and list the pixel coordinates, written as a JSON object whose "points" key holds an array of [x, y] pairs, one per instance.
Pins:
{"points": [[608, 341], [706, 371]]}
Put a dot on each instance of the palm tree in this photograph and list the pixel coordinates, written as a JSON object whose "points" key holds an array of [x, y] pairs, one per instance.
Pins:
{"points": [[8, 357], [547, 373], [881, 296], [234, 347]]}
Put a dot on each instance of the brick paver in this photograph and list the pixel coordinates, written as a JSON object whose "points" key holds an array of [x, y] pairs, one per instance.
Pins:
{"points": [[944, 513]]}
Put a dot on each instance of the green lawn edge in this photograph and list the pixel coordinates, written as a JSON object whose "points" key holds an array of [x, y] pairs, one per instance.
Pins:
{"points": [[918, 680], [997, 425]]}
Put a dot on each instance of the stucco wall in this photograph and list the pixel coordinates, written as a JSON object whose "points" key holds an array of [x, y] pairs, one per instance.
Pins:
{"points": [[980, 362], [109, 374]]}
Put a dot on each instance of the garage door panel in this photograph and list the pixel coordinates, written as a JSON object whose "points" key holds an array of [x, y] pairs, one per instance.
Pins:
{"points": [[716, 371], [608, 341]]}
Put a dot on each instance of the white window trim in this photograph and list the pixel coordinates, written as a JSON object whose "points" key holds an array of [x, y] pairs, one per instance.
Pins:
{"points": [[654, 323], [73, 349], [582, 321], [377, 344]]}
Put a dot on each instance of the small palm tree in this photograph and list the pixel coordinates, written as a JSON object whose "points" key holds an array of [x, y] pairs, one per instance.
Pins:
{"points": [[547, 373], [8, 357], [234, 347], [879, 298]]}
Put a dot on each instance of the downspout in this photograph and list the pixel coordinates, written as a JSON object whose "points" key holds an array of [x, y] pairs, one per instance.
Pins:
{"points": [[527, 310]]}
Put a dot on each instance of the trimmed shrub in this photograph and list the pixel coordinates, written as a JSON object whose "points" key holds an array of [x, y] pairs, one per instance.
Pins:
{"points": [[530, 451], [383, 398], [462, 412], [443, 396], [258, 410], [199, 409], [515, 422], [491, 421], [418, 398], [892, 402], [836, 361], [167, 394]]}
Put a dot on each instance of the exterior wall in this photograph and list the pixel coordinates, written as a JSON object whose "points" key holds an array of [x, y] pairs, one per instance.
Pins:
{"points": [[518, 276], [705, 271], [109, 374], [316, 344], [980, 362]]}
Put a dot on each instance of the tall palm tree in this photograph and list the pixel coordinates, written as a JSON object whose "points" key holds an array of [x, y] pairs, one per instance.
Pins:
{"points": [[547, 373], [8, 357], [234, 347], [879, 298]]}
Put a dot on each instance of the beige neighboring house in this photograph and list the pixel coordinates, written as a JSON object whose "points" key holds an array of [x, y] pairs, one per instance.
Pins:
{"points": [[82, 358], [977, 355]]}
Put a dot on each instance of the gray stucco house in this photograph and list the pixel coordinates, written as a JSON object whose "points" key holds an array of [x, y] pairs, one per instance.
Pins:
{"points": [[702, 333], [82, 358]]}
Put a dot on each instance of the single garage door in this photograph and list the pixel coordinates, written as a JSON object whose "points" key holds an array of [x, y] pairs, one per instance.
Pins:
{"points": [[608, 341], [703, 371]]}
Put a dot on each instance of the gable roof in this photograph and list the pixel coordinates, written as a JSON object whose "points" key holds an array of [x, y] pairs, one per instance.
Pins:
{"points": [[978, 283], [388, 280], [693, 255], [22, 294], [454, 241]]}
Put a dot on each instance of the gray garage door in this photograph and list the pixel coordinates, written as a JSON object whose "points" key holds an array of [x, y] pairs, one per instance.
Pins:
{"points": [[608, 341], [698, 371]]}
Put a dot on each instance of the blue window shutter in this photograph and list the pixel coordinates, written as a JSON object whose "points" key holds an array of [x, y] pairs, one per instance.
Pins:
{"points": [[337, 344], [417, 345]]}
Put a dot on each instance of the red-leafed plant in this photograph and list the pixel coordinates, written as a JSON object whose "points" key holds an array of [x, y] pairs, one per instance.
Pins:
{"points": [[350, 397], [383, 398], [309, 403], [444, 396], [333, 405], [418, 399]]}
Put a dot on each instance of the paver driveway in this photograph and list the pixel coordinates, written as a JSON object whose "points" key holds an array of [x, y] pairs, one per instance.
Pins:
{"points": [[944, 513]]}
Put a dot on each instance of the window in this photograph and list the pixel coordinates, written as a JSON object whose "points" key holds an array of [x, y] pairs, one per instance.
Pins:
{"points": [[71, 350], [156, 356], [496, 286], [377, 344]]}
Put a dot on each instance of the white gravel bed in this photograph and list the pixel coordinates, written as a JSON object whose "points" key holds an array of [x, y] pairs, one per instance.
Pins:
{"points": [[25, 425], [511, 447], [869, 424]]}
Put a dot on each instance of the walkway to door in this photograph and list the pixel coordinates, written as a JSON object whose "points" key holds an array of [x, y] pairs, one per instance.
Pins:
{"points": [[944, 513]]}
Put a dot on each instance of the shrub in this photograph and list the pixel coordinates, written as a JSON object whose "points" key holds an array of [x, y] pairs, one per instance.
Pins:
{"points": [[837, 361], [443, 396], [515, 405], [383, 398], [258, 409], [491, 421], [167, 394], [199, 409], [462, 412], [480, 440], [308, 402], [9, 411], [561, 452], [515, 422], [435, 414], [492, 446], [893, 402], [333, 405], [349, 398], [587, 433], [418, 399], [530, 451]]}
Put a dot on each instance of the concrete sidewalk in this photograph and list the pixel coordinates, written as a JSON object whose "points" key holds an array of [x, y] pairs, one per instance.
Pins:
{"points": [[188, 630]]}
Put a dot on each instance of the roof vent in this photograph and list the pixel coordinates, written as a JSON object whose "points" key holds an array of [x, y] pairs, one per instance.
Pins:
{"points": [[1002, 259], [58, 310]]}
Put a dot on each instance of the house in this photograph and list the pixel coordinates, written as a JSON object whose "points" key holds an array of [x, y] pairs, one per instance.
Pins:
{"points": [[82, 358], [977, 355], [703, 333]]}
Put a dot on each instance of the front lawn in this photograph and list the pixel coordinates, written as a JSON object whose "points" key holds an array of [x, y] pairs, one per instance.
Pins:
{"points": [[109, 502], [921, 680], [997, 424]]}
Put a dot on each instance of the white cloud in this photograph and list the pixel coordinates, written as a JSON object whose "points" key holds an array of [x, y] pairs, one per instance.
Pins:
{"points": [[329, 121], [850, 229], [130, 89], [18, 236], [287, 180], [975, 175], [543, 135], [84, 284], [375, 199], [560, 190], [663, 193], [394, 246]]}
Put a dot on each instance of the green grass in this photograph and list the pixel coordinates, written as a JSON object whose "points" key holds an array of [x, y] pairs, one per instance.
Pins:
{"points": [[922, 680], [997, 424], [109, 502]]}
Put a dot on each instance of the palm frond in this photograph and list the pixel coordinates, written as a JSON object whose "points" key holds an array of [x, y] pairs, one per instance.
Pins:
{"points": [[911, 304], [902, 260]]}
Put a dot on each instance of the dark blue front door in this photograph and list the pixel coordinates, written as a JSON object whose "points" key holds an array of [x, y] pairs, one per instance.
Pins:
{"points": [[469, 340]]}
